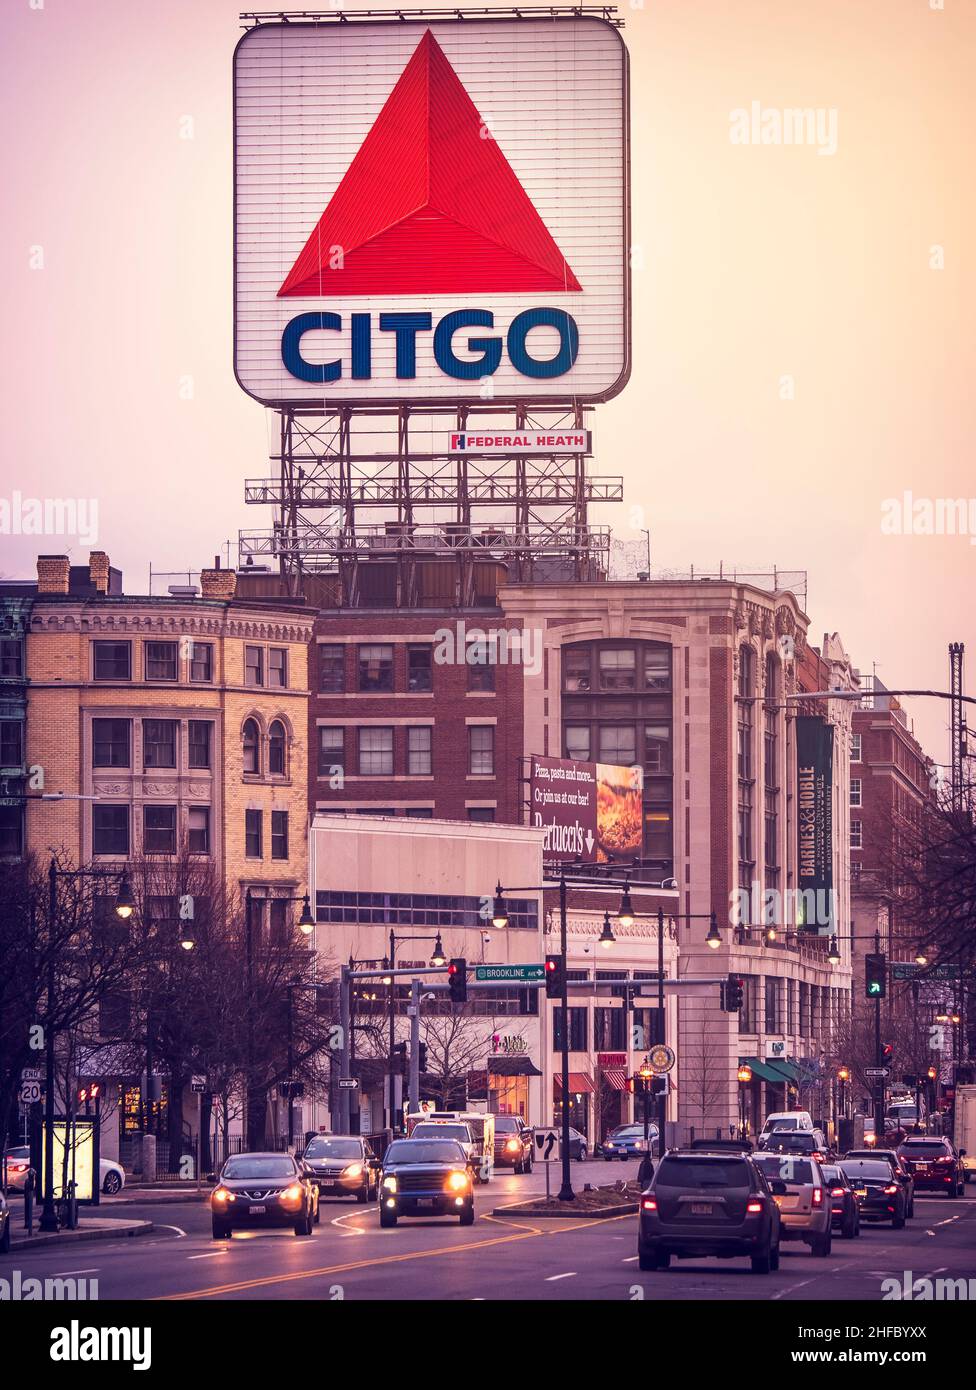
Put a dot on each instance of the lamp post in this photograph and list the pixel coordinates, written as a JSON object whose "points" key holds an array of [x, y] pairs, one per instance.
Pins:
{"points": [[437, 958], [124, 906]]}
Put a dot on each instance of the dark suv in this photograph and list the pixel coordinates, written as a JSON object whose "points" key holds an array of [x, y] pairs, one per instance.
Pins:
{"points": [[264, 1189], [702, 1203], [934, 1164], [513, 1143]]}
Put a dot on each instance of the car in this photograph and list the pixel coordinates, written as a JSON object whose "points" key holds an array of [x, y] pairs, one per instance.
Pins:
{"points": [[426, 1177], [4, 1226], [577, 1146], [709, 1204], [111, 1174], [809, 1142], [880, 1195], [458, 1130], [899, 1168], [804, 1202], [787, 1119], [627, 1141], [262, 1190], [344, 1165], [513, 1143], [934, 1164], [845, 1210]]}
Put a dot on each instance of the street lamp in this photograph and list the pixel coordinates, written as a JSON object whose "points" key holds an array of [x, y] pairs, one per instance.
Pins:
{"points": [[625, 913], [713, 939], [606, 937], [438, 957], [833, 951], [306, 922], [187, 936], [499, 912], [920, 957]]}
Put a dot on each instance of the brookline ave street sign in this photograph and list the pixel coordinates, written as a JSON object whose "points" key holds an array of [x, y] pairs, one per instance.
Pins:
{"points": [[509, 974]]}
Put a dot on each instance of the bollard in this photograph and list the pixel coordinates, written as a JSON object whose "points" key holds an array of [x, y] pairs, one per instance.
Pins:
{"points": [[29, 1201]]}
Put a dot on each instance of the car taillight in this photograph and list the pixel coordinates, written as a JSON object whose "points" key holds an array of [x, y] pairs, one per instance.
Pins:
{"points": [[836, 1192], [946, 1159], [16, 1167], [891, 1189], [754, 1206], [649, 1204], [818, 1196]]}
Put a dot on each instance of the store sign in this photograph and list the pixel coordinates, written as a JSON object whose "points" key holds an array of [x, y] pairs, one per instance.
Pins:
{"points": [[509, 1045], [774, 1050], [815, 879], [611, 1060], [504, 442], [587, 811], [432, 211]]}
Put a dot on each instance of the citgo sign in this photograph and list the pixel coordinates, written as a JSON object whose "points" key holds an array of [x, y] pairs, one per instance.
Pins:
{"points": [[431, 212]]}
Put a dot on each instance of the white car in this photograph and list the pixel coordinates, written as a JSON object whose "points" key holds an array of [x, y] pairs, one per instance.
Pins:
{"points": [[111, 1174], [787, 1119]]}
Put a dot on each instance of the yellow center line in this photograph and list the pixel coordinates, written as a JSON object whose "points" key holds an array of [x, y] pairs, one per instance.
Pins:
{"points": [[271, 1279]]}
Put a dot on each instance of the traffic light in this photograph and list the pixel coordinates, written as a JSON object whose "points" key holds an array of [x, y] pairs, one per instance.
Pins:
{"points": [[422, 1057], [555, 976], [732, 994], [658, 1086], [887, 1052], [875, 976], [400, 1058], [457, 979]]}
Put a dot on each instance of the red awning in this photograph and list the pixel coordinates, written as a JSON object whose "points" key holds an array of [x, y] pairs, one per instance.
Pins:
{"points": [[616, 1080], [579, 1082]]}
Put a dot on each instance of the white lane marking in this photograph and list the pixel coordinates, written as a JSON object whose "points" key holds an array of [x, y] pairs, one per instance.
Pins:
{"points": [[163, 1226], [212, 1256], [63, 1274], [631, 1259], [553, 1277], [338, 1220], [793, 1287]]}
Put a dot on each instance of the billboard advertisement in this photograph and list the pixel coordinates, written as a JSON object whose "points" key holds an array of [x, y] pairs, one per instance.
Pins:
{"points": [[431, 211], [814, 763], [590, 812]]}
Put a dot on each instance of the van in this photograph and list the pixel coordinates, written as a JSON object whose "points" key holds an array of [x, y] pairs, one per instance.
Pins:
{"points": [[787, 1119]]}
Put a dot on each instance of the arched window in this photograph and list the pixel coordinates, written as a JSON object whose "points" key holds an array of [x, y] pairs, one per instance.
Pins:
{"points": [[251, 739], [276, 749]]}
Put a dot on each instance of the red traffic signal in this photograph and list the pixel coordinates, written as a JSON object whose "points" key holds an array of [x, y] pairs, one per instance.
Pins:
{"points": [[555, 976], [457, 980]]}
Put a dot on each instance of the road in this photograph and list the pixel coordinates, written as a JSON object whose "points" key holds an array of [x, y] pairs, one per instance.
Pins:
{"points": [[500, 1257]]}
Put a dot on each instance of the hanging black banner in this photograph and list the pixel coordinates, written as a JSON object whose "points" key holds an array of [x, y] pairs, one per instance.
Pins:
{"points": [[815, 879]]}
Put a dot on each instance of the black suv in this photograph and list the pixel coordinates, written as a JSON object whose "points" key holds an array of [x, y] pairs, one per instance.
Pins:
{"points": [[513, 1143], [933, 1163], [344, 1165], [709, 1203], [426, 1177], [264, 1189]]}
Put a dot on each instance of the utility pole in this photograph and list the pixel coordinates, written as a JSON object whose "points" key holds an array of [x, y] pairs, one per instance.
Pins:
{"points": [[414, 1046]]}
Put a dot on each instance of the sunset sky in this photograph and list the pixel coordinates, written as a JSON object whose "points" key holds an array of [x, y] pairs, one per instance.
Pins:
{"points": [[849, 272]]}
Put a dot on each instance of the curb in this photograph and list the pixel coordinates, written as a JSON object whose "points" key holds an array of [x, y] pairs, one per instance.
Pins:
{"points": [[594, 1213], [148, 1196], [117, 1228]]}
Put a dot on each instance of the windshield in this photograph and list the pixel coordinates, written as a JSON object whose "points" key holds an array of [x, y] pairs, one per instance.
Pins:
{"points": [[799, 1170], [702, 1173], [248, 1166], [867, 1168], [915, 1149], [786, 1123], [334, 1148], [423, 1151], [834, 1175], [506, 1124], [804, 1143], [630, 1132], [428, 1131]]}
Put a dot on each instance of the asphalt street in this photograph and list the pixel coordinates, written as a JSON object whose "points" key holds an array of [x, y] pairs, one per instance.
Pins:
{"points": [[503, 1256]]}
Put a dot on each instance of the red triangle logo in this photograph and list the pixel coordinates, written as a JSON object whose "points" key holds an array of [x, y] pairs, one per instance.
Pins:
{"points": [[428, 205]]}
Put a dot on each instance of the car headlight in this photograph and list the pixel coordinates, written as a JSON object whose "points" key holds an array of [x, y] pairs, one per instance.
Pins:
{"points": [[354, 1170], [292, 1193], [221, 1195], [390, 1183], [457, 1182], [512, 1146]]}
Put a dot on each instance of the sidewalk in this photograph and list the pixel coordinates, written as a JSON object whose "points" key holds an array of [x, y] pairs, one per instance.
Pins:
{"points": [[89, 1228]]}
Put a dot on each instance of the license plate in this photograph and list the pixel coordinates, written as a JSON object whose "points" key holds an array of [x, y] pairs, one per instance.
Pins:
{"points": [[258, 1211], [425, 1201], [860, 1192], [701, 1208]]}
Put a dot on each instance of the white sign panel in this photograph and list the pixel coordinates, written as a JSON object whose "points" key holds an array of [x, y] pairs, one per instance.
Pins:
{"points": [[431, 212], [506, 442], [545, 1146]]}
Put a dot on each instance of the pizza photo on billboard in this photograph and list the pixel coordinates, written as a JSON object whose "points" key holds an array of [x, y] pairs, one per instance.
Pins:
{"points": [[619, 811]]}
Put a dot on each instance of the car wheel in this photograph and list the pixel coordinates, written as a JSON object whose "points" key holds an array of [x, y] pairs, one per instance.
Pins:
{"points": [[317, 1218], [608, 1158], [911, 1208], [5, 1238], [467, 1215], [898, 1221], [528, 1166], [303, 1227], [653, 1259], [821, 1246], [220, 1230], [387, 1217], [762, 1264], [774, 1257], [362, 1195], [849, 1228], [112, 1183]]}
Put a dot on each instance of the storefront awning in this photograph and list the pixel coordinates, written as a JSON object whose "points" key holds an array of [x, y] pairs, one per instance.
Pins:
{"points": [[579, 1082], [616, 1080], [783, 1071], [763, 1070], [512, 1066]]}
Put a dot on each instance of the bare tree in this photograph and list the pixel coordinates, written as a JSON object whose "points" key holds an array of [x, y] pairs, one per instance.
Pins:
{"points": [[704, 1079]]}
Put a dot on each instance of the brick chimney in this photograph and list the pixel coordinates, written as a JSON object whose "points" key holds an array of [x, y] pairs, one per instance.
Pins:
{"points": [[52, 574], [98, 570], [218, 583]]}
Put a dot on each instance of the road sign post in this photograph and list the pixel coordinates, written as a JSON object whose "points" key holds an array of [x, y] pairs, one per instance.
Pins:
{"points": [[545, 1150]]}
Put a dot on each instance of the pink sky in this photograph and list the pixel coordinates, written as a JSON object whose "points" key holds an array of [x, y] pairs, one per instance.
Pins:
{"points": [[756, 263]]}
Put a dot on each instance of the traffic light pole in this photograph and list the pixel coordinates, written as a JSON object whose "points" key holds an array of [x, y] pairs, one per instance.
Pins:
{"points": [[566, 1193], [878, 1080], [662, 1104], [414, 1046]]}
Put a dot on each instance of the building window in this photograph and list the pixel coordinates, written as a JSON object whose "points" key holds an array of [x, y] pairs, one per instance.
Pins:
{"points": [[420, 812], [657, 748], [110, 743], [253, 834], [278, 667], [420, 672], [110, 829], [746, 770], [855, 871], [576, 670], [855, 791], [199, 742], [577, 1029], [855, 748], [332, 750], [11, 742], [276, 749], [618, 668], [251, 744], [481, 657], [771, 790], [417, 909], [481, 749], [856, 835], [253, 666], [376, 752], [609, 1032], [332, 669], [376, 668], [278, 922], [159, 829], [11, 832], [112, 661], [773, 1005], [201, 661], [419, 762], [482, 813], [160, 659], [11, 658], [576, 742], [279, 834], [198, 830], [618, 744], [748, 1022], [657, 666], [158, 743]]}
